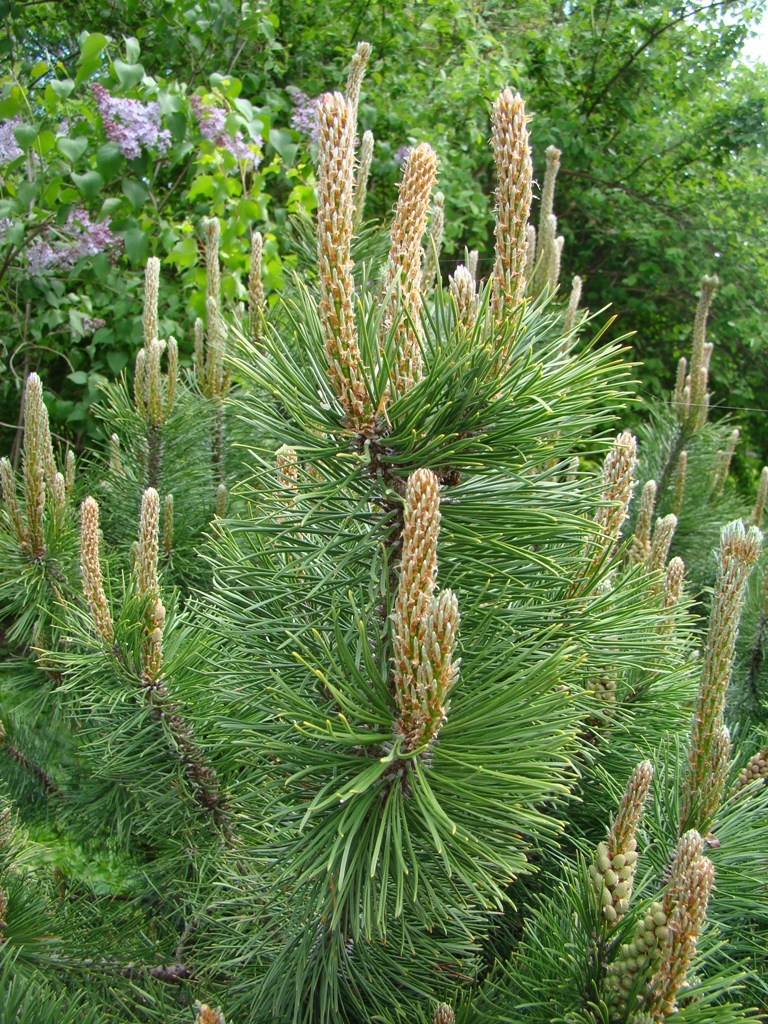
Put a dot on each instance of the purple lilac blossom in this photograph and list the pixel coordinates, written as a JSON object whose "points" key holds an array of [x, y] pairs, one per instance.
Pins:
{"points": [[212, 124], [305, 118], [9, 147], [91, 324], [401, 155], [131, 123], [80, 237], [5, 226]]}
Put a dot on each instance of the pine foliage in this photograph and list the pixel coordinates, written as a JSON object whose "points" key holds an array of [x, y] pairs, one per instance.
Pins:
{"points": [[357, 679]]}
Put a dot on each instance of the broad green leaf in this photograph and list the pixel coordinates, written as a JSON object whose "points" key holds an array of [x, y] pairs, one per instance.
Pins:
{"points": [[203, 185], [46, 140], [25, 135], [15, 234], [90, 183], [62, 87], [136, 245], [132, 49], [28, 192], [135, 192], [91, 47], [90, 56], [117, 361], [72, 149], [184, 253], [51, 191], [127, 74], [282, 142], [11, 105], [109, 159]]}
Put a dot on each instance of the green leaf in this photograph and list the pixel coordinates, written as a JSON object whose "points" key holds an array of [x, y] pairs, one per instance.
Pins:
{"points": [[203, 185], [282, 142], [62, 87], [90, 183], [25, 135], [28, 193], [109, 159], [91, 47], [111, 207], [90, 55], [15, 234], [46, 140], [128, 74], [132, 49], [117, 361], [11, 105], [136, 245], [72, 149], [135, 192], [79, 377], [184, 253], [51, 191]]}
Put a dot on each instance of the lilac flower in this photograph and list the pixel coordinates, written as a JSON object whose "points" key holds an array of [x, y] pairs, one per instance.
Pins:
{"points": [[212, 124], [5, 226], [305, 118], [80, 237], [9, 147], [401, 155], [91, 324], [131, 123]]}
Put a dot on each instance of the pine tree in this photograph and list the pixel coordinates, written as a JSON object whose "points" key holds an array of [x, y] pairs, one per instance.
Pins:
{"points": [[338, 684]]}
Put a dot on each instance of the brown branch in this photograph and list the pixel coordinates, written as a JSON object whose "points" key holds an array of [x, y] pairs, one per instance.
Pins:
{"points": [[21, 758], [171, 973]]}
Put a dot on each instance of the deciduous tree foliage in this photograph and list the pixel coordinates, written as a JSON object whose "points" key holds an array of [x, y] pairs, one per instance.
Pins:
{"points": [[662, 128]]}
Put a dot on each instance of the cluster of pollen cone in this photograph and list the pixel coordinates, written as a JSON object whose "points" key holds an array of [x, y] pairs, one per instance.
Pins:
{"points": [[424, 623]]}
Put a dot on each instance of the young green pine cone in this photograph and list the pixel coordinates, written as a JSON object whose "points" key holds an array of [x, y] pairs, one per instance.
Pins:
{"points": [[613, 869], [709, 747], [425, 627], [443, 1014], [663, 532], [605, 688], [617, 485], [755, 768], [8, 484], [464, 294], [637, 958]]}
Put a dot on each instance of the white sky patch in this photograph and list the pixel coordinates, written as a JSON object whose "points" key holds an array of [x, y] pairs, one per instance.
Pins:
{"points": [[756, 48]]}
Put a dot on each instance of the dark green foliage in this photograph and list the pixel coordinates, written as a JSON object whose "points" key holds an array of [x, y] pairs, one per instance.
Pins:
{"points": [[209, 792]]}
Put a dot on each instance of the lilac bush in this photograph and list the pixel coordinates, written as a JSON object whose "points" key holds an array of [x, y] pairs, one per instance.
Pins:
{"points": [[79, 237], [212, 123], [131, 123], [305, 118], [91, 324], [113, 165], [9, 147]]}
